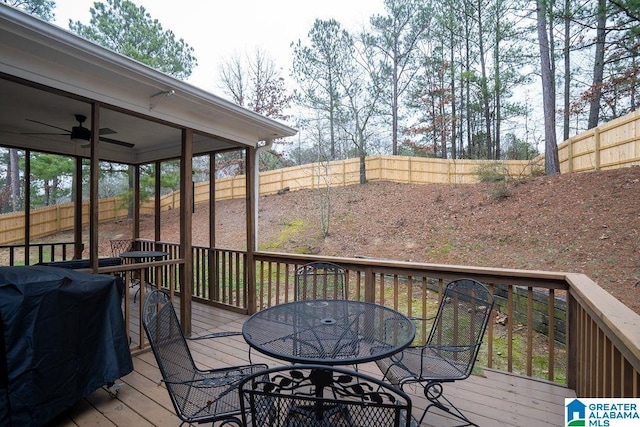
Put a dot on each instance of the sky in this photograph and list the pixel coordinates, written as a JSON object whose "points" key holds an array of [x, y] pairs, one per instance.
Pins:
{"points": [[218, 30]]}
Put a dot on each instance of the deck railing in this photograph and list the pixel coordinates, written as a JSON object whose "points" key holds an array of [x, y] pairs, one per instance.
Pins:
{"points": [[560, 327], [515, 341], [37, 253], [162, 273]]}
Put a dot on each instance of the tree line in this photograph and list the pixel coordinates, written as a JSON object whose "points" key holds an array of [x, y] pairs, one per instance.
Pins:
{"points": [[459, 79], [448, 79]]}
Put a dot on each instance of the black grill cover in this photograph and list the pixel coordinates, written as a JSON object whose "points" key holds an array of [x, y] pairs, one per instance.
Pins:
{"points": [[62, 337]]}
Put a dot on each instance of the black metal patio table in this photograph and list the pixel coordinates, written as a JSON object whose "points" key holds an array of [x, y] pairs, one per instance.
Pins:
{"points": [[329, 332], [140, 256]]}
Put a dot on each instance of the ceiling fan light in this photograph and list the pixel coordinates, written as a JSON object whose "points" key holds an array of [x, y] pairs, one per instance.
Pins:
{"points": [[80, 133]]}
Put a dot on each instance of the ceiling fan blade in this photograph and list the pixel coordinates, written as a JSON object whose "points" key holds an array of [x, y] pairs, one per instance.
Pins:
{"points": [[44, 133], [115, 141], [46, 124], [80, 135]]}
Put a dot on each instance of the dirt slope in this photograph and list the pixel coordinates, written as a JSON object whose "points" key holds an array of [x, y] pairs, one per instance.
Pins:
{"points": [[586, 222]]}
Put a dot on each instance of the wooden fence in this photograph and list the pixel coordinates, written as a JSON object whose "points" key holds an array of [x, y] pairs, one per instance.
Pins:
{"points": [[612, 145], [404, 169], [50, 220]]}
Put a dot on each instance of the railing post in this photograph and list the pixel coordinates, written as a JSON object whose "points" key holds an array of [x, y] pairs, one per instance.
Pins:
{"points": [[571, 342], [251, 216], [186, 225], [369, 285]]}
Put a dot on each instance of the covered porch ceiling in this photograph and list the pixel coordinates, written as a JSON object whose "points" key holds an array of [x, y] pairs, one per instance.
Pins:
{"points": [[48, 76]]}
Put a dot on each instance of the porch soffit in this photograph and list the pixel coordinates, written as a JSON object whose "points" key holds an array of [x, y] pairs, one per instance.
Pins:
{"points": [[142, 106]]}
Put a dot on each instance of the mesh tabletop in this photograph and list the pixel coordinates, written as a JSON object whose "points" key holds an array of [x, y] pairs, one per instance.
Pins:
{"points": [[331, 332]]}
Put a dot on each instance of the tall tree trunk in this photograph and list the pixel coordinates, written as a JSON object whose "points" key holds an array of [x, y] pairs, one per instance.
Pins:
{"points": [[454, 139], [461, 119], [363, 164], [394, 106], [552, 164], [467, 84], [634, 86], [16, 205], [130, 173], [362, 153], [567, 68], [483, 84], [332, 118], [497, 82], [598, 65], [55, 186], [8, 206], [47, 194], [443, 120], [434, 131]]}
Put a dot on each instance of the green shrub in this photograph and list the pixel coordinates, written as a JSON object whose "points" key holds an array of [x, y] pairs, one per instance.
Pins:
{"points": [[492, 172], [500, 190], [537, 170], [497, 174]]}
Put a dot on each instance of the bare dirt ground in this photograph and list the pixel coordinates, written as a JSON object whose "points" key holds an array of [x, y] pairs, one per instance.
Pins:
{"points": [[585, 222]]}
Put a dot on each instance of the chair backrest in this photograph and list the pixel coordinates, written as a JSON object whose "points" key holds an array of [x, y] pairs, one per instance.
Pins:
{"points": [[169, 346], [319, 280], [119, 246], [315, 395], [458, 329]]}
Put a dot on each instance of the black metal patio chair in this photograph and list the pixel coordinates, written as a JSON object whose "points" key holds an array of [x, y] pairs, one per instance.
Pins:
{"points": [[322, 396], [319, 280], [451, 349], [198, 396], [119, 246]]}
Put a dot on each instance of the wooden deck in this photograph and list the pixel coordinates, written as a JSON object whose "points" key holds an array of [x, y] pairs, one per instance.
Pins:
{"points": [[490, 399]]}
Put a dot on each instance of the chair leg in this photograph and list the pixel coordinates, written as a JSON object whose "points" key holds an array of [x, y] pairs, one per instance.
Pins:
{"points": [[433, 393], [135, 296], [151, 286], [231, 420]]}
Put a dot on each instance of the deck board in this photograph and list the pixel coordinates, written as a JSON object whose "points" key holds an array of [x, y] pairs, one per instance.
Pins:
{"points": [[491, 398]]}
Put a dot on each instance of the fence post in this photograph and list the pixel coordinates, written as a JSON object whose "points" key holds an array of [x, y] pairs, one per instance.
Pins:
{"points": [[596, 134], [570, 155], [282, 178]]}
